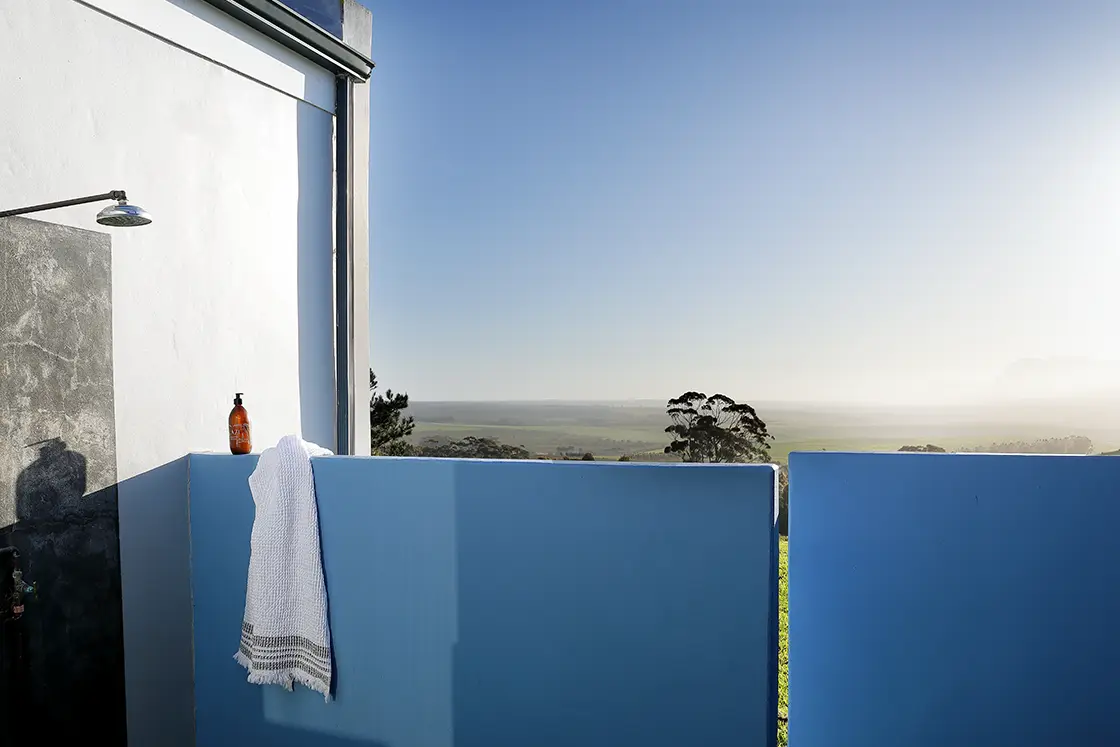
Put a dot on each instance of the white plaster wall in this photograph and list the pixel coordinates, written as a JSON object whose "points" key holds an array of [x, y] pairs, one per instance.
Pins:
{"points": [[208, 32], [238, 176], [227, 139]]}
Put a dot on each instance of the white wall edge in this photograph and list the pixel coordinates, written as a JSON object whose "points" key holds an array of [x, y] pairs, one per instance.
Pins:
{"points": [[204, 30], [357, 31]]}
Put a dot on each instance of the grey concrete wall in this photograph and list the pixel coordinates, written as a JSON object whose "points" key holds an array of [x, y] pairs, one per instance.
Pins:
{"points": [[56, 337], [58, 500]]}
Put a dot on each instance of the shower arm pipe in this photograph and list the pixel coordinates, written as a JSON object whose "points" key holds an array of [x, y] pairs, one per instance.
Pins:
{"points": [[116, 194]]}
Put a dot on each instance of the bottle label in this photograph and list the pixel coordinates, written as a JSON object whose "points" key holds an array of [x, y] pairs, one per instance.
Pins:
{"points": [[239, 435]]}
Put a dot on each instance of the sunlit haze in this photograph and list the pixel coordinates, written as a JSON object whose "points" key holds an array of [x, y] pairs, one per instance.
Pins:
{"points": [[783, 201]]}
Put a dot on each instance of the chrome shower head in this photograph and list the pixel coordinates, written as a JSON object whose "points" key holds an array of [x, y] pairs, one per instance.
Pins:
{"points": [[123, 215]]}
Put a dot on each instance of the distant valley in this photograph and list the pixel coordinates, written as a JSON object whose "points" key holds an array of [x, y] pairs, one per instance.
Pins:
{"points": [[637, 429]]}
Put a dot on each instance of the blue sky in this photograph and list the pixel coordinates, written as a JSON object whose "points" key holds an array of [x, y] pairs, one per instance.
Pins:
{"points": [[884, 202]]}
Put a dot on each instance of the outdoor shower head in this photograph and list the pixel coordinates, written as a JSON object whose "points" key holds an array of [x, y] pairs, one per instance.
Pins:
{"points": [[123, 215]]}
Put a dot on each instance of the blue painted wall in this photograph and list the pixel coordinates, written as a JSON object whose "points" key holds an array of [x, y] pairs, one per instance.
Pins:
{"points": [[505, 604], [954, 600], [156, 602]]}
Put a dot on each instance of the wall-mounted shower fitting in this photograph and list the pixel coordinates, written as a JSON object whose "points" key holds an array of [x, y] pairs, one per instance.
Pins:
{"points": [[14, 607], [121, 215]]}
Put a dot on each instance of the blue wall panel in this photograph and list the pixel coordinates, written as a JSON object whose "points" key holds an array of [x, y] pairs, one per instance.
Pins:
{"points": [[156, 601], [954, 600], [504, 604]]}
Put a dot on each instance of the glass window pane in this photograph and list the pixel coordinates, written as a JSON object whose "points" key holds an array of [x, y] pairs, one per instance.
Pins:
{"points": [[325, 13]]}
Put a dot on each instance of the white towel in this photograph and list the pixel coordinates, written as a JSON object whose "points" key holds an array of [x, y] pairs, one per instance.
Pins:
{"points": [[284, 636]]}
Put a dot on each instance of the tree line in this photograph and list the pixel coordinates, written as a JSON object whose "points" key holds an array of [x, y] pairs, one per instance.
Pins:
{"points": [[702, 429], [1063, 445]]}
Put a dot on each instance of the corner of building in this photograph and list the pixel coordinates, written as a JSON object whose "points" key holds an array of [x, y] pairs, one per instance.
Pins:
{"points": [[357, 32]]}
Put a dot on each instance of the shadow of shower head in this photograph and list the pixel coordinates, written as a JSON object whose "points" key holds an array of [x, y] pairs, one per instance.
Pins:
{"points": [[121, 215], [55, 441]]}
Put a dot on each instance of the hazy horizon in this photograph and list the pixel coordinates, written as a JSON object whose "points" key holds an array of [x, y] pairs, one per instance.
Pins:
{"points": [[880, 204], [1030, 380]]}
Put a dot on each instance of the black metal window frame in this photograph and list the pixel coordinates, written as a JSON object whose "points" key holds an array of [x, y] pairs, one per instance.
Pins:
{"points": [[344, 250], [284, 25]]}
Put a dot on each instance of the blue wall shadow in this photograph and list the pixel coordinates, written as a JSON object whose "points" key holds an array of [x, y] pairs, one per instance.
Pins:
{"points": [[156, 601], [491, 604], [953, 600]]}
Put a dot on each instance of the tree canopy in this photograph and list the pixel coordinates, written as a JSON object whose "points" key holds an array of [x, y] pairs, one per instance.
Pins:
{"points": [[716, 429], [471, 447], [388, 425], [783, 500]]}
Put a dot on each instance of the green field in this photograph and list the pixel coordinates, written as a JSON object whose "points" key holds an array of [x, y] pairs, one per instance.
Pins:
{"points": [[783, 642], [609, 430]]}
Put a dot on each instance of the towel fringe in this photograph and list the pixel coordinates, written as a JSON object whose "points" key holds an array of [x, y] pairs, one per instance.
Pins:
{"points": [[285, 678]]}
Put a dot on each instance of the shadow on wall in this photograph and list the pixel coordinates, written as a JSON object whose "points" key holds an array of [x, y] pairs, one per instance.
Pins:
{"points": [[156, 599], [63, 675], [315, 275], [55, 480]]}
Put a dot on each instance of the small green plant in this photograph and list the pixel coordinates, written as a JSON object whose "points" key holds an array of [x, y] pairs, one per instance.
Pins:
{"points": [[783, 641]]}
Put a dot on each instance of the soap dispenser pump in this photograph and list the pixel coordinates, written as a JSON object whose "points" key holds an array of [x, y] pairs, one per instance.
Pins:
{"points": [[240, 432]]}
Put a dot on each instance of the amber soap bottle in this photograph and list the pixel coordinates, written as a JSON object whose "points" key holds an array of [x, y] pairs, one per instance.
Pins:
{"points": [[240, 431]]}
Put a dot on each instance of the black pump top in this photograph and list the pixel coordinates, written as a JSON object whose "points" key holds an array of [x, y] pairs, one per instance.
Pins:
{"points": [[237, 398]]}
